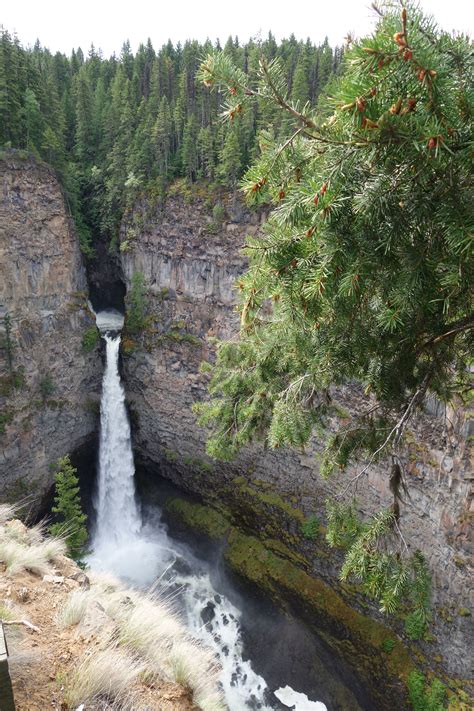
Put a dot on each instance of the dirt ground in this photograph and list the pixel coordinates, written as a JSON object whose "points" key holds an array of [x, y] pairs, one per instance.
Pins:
{"points": [[40, 660]]}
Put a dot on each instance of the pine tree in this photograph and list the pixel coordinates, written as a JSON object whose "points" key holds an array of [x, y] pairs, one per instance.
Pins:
{"points": [[67, 506], [189, 149]]}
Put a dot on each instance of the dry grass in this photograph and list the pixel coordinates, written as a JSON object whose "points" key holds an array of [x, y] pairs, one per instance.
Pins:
{"points": [[147, 630], [21, 551], [108, 674], [7, 512], [139, 637], [194, 667], [142, 623], [75, 608]]}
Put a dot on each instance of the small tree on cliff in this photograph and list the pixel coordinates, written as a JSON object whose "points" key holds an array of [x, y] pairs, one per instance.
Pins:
{"points": [[136, 319], [71, 519], [367, 260]]}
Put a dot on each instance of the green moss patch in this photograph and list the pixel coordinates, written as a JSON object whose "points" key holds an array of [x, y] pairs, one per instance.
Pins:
{"points": [[200, 517], [277, 575]]}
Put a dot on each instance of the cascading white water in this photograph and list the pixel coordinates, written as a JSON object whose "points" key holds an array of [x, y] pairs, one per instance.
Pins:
{"points": [[145, 554], [118, 518]]}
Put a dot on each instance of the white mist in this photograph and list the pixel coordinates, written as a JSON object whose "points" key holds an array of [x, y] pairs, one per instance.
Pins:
{"points": [[146, 555]]}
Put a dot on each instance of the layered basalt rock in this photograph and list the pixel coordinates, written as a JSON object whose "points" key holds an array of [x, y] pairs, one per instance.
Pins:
{"points": [[48, 397], [190, 268]]}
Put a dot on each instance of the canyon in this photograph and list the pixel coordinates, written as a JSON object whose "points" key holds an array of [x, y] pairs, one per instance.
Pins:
{"points": [[261, 501]]}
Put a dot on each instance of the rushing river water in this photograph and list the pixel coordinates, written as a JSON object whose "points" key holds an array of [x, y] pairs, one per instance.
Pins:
{"points": [[140, 550]]}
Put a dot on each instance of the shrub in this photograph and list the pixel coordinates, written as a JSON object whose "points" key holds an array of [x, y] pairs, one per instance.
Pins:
{"points": [[46, 387], [415, 625], [218, 212], [424, 697], [388, 645], [90, 339], [136, 305], [5, 418], [310, 528]]}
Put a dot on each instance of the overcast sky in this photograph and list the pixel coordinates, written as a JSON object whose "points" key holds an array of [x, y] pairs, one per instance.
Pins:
{"points": [[62, 25]]}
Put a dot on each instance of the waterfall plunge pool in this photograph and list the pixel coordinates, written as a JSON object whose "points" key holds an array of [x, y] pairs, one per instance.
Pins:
{"points": [[269, 660]]}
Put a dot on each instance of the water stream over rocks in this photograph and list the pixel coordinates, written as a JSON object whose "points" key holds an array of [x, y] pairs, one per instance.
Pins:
{"points": [[140, 550]]}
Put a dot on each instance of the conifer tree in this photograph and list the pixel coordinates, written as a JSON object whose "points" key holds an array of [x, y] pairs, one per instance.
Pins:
{"points": [[34, 121], [113, 126], [367, 260], [230, 159], [67, 505]]}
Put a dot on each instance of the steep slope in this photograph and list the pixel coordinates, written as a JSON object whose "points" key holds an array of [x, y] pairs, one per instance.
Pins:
{"points": [[47, 392], [75, 639], [189, 268]]}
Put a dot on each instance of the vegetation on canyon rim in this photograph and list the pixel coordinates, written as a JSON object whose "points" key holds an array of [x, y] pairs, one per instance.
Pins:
{"points": [[367, 263], [118, 128]]}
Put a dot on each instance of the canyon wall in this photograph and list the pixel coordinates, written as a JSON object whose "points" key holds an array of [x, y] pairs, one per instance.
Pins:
{"points": [[49, 385], [190, 264]]}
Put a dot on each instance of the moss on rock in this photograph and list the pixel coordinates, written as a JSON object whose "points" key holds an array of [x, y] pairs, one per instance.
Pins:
{"points": [[200, 517]]}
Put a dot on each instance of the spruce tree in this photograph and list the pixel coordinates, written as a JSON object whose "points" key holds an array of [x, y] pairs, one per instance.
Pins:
{"points": [[71, 521]]}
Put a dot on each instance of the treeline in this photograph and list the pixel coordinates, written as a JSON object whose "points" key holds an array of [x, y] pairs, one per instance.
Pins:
{"points": [[115, 127]]}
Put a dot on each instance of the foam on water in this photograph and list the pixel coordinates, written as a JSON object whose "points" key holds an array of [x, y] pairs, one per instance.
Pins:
{"points": [[145, 555]]}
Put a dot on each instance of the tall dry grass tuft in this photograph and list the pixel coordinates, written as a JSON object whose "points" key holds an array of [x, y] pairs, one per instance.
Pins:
{"points": [[108, 674], [194, 667], [75, 608], [19, 554], [7, 512]]}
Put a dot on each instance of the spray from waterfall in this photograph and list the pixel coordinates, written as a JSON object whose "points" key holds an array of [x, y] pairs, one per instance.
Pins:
{"points": [[122, 545]]}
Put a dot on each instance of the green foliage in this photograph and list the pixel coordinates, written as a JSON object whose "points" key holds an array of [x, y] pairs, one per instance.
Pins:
{"points": [[136, 320], [8, 343], [367, 262], [46, 386], [115, 128], [6, 416], [71, 519], [388, 645], [310, 528], [415, 625], [15, 380], [373, 556], [424, 697], [218, 212], [90, 339]]}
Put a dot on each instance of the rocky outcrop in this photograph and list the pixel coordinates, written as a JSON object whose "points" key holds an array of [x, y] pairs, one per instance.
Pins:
{"points": [[49, 390], [189, 268]]}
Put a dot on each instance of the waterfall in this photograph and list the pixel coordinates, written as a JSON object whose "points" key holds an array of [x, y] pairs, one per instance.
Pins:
{"points": [[118, 545], [145, 554], [118, 518]]}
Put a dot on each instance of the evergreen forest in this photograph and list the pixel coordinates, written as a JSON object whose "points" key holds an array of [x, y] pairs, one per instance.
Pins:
{"points": [[113, 128]]}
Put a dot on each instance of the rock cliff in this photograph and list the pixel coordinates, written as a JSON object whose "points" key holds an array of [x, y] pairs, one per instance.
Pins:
{"points": [[189, 267], [48, 383]]}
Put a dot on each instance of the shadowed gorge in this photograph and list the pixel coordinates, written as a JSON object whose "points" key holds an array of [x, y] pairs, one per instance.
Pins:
{"points": [[236, 411]]}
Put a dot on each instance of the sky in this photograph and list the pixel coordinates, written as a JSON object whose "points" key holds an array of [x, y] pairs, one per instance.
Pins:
{"points": [[61, 25]]}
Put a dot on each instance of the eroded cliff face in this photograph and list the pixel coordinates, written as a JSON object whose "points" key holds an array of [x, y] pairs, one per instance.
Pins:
{"points": [[48, 396], [189, 271]]}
